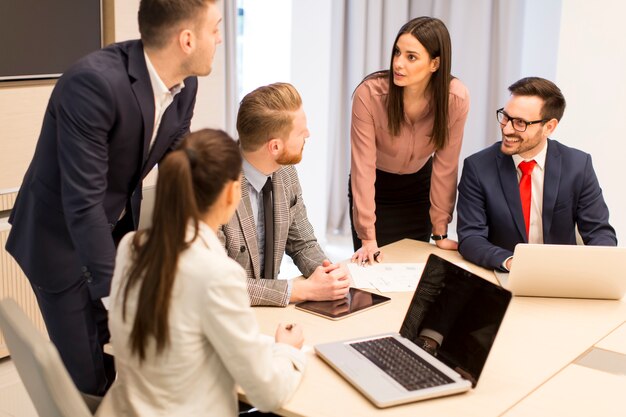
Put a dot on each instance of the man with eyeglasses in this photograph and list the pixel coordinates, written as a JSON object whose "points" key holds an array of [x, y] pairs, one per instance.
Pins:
{"points": [[528, 188]]}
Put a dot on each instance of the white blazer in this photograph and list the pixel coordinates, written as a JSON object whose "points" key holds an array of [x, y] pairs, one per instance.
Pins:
{"points": [[214, 344]]}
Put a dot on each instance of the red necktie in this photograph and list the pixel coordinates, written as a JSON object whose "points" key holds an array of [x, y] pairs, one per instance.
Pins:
{"points": [[525, 190]]}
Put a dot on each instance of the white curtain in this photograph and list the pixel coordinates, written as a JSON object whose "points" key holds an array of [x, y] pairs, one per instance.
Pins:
{"points": [[486, 50], [231, 79]]}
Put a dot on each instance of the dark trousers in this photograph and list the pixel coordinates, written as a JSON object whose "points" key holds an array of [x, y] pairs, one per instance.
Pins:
{"points": [[78, 328], [245, 410], [402, 206]]}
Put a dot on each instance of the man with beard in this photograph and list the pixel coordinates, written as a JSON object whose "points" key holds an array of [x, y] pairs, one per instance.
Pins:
{"points": [[271, 218], [528, 188]]}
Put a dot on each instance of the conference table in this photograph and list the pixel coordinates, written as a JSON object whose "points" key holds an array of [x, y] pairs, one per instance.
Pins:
{"points": [[593, 385], [547, 351]]}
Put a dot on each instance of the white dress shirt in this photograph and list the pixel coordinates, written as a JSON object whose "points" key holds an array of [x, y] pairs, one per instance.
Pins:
{"points": [[163, 96], [214, 343]]}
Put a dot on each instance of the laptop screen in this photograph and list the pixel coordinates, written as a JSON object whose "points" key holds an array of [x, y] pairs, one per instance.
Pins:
{"points": [[459, 309]]}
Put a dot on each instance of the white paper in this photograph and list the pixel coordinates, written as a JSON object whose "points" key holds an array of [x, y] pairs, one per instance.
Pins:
{"points": [[390, 277], [387, 277]]}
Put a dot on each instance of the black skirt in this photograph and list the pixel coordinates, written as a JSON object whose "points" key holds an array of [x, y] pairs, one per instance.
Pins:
{"points": [[402, 206]]}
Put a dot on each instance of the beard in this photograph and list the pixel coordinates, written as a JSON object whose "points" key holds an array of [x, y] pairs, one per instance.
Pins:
{"points": [[289, 159], [525, 145], [510, 150]]}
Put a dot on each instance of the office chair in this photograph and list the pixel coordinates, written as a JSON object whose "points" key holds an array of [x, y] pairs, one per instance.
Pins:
{"points": [[39, 365]]}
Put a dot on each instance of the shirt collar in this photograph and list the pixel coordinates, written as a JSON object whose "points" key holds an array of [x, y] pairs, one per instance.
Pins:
{"points": [[540, 158], [159, 89], [255, 178]]}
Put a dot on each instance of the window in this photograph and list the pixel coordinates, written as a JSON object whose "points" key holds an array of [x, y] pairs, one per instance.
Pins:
{"points": [[263, 43]]}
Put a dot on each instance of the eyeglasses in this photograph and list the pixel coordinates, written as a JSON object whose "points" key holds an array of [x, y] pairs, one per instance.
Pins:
{"points": [[518, 124]]}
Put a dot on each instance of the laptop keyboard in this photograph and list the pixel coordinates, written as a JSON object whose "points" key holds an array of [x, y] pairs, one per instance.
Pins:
{"points": [[401, 363]]}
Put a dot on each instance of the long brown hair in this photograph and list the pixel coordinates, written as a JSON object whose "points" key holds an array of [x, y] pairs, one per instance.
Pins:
{"points": [[433, 35], [190, 180]]}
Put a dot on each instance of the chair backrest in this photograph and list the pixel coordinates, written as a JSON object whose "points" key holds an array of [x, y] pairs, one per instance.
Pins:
{"points": [[38, 363]]}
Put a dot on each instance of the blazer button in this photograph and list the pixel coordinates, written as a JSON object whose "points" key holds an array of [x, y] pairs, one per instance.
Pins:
{"points": [[89, 280], [242, 249], [83, 268]]}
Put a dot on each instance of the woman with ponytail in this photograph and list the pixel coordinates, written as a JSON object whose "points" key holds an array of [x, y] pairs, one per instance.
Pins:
{"points": [[181, 325]]}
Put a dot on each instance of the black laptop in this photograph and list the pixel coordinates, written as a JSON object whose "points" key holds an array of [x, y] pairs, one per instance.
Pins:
{"points": [[457, 309]]}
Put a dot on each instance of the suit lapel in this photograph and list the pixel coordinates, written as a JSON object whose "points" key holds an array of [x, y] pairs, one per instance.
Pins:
{"points": [[143, 93], [248, 227], [161, 141], [151, 157], [551, 179], [510, 188]]}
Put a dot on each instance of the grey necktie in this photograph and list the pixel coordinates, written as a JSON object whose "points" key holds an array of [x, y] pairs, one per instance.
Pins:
{"points": [[268, 214]]}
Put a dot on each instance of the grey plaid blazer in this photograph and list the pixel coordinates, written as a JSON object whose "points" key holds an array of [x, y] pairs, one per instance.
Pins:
{"points": [[293, 235]]}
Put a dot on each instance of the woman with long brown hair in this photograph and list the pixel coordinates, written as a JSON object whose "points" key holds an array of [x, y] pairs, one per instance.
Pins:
{"points": [[181, 325], [407, 129]]}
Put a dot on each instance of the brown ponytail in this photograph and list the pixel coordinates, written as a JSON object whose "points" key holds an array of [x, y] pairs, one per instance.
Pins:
{"points": [[190, 180]]}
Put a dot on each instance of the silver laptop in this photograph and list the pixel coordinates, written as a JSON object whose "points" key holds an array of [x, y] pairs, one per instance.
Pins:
{"points": [[571, 271], [462, 309]]}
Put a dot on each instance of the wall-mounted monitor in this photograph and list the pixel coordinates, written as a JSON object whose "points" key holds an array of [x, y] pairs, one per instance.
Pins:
{"points": [[42, 38]]}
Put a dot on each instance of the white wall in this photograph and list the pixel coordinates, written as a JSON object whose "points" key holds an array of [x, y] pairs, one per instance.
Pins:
{"points": [[590, 71], [267, 38], [310, 62], [538, 49]]}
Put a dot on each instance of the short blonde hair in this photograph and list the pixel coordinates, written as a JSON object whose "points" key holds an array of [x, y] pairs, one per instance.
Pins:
{"points": [[265, 113]]}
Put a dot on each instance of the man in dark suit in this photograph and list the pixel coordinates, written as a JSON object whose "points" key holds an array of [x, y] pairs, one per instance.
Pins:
{"points": [[272, 131], [528, 188], [111, 118]]}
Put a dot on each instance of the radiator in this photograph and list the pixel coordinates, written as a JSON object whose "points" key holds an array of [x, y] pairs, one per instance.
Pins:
{"points": [[7, 200], [13, 284]]}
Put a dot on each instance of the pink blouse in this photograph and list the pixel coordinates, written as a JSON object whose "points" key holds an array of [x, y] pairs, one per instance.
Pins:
{"points": [[374, 147]]}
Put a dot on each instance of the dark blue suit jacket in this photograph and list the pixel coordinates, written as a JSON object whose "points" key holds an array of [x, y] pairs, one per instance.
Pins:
{"points": [[490, 220], [88, 166]]}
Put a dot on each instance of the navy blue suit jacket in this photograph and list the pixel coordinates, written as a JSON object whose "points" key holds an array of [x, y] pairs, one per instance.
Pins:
{"points": [[90, 159], [490, 220]]}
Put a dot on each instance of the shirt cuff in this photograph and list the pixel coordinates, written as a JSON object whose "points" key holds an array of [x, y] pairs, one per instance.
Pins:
{"points": [[289, 287], [436, 336], [504, 264], [297, 356]]}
